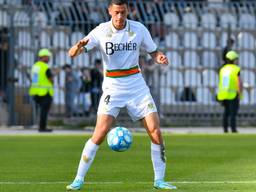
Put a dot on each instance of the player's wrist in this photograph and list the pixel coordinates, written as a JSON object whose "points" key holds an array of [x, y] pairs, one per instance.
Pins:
{"points": [[78, 46]]}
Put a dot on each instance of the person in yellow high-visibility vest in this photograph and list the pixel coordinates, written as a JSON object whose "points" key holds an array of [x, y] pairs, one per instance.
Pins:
{"points": [[230, 90], [42, 87]]}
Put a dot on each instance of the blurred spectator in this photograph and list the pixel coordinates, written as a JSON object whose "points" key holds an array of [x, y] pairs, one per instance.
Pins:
{"points": [[154, 19], [72, 85], [148, 69], [4, 49], [85, 91], [187, 94], [227, 48], [133, 12], [151, 72], [95, 16], [77, 14], [42, 87], [151, 18], [160, 10], [97, 78]]}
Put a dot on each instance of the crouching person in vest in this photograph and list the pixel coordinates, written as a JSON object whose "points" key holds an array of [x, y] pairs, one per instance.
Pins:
{"points": [[230, 90], [42, 87]]}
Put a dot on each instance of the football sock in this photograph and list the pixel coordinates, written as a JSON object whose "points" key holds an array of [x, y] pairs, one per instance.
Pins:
{"points": [[87, 158], [158, 160]]}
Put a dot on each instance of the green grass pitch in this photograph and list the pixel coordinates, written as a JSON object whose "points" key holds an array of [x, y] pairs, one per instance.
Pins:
{"points": [[195, 163]]}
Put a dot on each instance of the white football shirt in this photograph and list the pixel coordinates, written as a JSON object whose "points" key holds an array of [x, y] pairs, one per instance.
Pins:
{"points": [[120, 49]]}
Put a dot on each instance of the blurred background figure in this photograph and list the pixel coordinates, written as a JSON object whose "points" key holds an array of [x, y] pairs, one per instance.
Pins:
{"points": [[150, 72], [187, 95], [230, 90], [4, 47], [42, 87], [148, 69], [85, 91], [227, 48], [97, 78], [72, 86]]}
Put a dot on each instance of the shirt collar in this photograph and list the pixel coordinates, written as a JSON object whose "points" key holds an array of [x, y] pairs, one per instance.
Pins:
{"points": [[127, 27]]}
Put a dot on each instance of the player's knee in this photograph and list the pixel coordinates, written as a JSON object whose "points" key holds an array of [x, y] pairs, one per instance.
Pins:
{"points": [[99, 134]]}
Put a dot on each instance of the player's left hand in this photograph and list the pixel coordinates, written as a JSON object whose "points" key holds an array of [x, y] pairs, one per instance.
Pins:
{"points": [[161, 58]]}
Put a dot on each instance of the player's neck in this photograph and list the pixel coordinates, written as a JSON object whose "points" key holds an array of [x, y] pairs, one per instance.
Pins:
{"points": [[120, 27]]}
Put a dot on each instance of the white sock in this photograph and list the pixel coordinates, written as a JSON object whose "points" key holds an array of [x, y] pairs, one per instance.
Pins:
{"points": [[87, 158], [158, 160]]}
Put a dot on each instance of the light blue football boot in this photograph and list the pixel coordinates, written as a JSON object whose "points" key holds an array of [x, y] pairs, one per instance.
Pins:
{"points": [[76, 185], [161, 184]]}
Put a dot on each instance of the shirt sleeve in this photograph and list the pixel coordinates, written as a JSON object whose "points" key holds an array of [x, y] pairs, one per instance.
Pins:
{"points": [[147, 41], [93, 40]]}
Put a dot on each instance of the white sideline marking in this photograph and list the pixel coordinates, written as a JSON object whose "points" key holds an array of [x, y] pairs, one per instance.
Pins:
{"points": [[120, 182]]}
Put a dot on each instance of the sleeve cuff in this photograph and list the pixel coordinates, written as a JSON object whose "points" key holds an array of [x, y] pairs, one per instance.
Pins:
{"points": [[153, 51]]}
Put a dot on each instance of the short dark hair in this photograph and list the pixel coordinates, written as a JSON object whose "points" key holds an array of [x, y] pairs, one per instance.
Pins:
{"points": [[118, 2], [230, 41]]}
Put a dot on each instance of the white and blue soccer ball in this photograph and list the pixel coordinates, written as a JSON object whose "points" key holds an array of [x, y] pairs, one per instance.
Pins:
{"points": [[119, 139]]}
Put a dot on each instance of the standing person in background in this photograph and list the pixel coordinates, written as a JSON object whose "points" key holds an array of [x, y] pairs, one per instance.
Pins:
{"points": [[96, 89], [85, 90], [230, 90], [42, 87], [227, 48], [72, 86], [120, 41], [4, 59]]}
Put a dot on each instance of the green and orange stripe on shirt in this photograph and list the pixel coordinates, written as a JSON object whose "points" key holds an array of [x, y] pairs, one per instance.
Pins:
{"points": [[116, 73]]}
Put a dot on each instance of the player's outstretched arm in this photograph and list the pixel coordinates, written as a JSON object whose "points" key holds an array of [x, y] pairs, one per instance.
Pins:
{"points": [[159, 57], [78, 48]]}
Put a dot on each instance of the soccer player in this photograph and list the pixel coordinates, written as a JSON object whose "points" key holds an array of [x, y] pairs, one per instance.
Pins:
{"points": [[119, 41]]}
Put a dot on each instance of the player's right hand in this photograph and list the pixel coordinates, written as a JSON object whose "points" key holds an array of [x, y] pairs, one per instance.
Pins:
{"points": [[82, 43], [77, 48]]}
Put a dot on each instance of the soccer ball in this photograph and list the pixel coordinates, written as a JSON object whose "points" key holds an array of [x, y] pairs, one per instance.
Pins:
{"points": [[119, 139]]}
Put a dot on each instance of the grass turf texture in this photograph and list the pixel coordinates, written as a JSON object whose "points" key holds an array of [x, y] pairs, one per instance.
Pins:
{"points": [[195, 163]]}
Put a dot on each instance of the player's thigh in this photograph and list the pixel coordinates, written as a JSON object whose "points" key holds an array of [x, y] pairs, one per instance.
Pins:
{"points": [[140, 105], [151, 124], [103, 124], [110, 104]]}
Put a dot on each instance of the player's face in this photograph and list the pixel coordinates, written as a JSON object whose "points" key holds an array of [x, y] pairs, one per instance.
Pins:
{"points": [[119, 15]]}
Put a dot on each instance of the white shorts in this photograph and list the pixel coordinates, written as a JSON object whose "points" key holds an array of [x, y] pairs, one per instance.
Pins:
{"points": [[139, 103]]}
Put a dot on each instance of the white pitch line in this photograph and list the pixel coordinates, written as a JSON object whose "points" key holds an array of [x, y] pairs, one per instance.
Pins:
{"points": [[120, 182], [215, 182]]}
